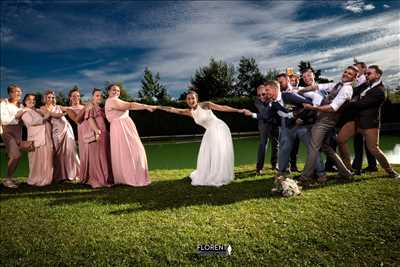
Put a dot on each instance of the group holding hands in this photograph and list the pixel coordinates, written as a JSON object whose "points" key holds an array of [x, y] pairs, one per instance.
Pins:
{"points": [[117, 156]]}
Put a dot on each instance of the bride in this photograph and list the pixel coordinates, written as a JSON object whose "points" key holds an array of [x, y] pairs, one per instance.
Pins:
{"points": [[215, 160]]}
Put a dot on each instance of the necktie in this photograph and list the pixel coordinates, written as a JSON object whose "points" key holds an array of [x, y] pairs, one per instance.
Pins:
{"points": [[332, 94]]}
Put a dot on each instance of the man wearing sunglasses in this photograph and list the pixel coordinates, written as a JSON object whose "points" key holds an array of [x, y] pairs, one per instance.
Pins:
{"points": [[269, 130]]}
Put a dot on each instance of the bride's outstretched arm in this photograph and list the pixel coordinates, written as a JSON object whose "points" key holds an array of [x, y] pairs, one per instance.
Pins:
{"points": [[224, 108], [179, 111]]}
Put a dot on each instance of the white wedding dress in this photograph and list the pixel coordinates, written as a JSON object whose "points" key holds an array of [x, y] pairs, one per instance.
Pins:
{"points": [[215, 160]]}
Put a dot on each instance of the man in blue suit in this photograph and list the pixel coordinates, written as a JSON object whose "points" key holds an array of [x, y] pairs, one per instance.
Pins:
{"points": [[294, 124]]}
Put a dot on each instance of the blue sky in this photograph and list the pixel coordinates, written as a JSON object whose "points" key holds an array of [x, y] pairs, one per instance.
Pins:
{"points": [[57, 44]]}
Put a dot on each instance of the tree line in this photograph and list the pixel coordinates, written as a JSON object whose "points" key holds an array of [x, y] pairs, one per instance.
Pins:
{"points": [[216, 80]]}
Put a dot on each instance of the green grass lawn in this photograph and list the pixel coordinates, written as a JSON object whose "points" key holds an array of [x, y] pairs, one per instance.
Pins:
{"points": [[183, 154], [341, 224]]}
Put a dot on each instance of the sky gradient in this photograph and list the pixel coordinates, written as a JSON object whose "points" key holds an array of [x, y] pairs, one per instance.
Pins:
{"points": [[58, 44]]}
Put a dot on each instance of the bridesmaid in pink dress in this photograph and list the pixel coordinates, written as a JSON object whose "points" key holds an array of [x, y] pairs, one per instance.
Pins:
{"points": [[39, 131], [66, 160], [76, 112], [97, 169], [128, 157]]}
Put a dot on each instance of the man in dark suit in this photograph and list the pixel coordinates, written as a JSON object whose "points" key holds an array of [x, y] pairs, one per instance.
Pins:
{"points": [[294, 125], [359, 145], [367, 108], [358, 140], [269, 130]]}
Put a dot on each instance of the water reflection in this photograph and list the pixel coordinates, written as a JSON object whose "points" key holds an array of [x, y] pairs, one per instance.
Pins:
{"points": [[393, 155]]}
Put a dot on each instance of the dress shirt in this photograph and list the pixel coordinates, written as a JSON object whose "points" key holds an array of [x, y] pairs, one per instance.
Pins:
{"points": [[8, 112], [361, 79], [370, 87], [345, 93]]}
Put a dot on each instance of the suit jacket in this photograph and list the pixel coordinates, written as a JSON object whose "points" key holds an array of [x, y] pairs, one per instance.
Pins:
{"points": [[367, 109], [266, 114], [307, 116]]}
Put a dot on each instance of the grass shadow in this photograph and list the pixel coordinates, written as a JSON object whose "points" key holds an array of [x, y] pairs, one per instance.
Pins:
{"points": [[334, 182], [244, 174], [160, 195], [24, 188]]}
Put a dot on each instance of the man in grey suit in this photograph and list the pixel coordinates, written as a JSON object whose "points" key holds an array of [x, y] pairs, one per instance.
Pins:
{"points": [[269, 130]]}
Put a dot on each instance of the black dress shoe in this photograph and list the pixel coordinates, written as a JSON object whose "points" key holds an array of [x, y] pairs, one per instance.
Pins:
{"points": [[370, 169], [357, 172], [294, 169], [331, 169], [394, 175], [303, 180]]}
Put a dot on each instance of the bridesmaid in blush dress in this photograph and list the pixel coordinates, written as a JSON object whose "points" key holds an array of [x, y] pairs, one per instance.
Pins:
{"points": [[66, 160], [39, 131], [128, 157], [97, 168], [76, 112]]}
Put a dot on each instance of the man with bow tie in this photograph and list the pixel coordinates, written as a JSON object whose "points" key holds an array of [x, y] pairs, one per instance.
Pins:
{"points": [[367, 108], [328, 115]]}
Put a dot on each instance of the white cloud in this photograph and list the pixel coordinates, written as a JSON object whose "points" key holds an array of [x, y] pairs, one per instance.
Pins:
{"points": [[354, 6], [386, 6], [193, 44], [78, 66], [369, 7], [357, 6], [191, 32]]}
